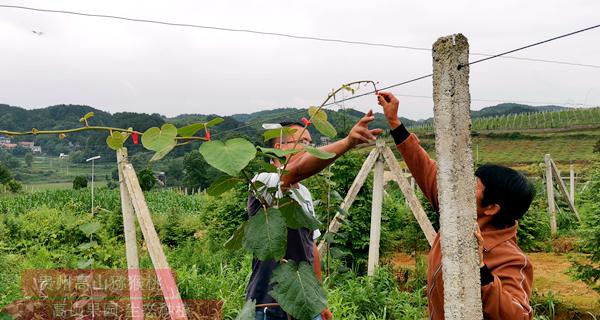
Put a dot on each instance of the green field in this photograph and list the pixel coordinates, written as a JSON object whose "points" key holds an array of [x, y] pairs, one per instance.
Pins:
{"points": [[53, 173]]}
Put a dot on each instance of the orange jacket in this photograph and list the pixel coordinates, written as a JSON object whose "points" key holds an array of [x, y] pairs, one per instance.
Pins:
{"points": [[507, 296]]}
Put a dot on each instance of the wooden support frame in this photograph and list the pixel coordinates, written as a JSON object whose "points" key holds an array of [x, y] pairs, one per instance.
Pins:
{"points": [[383, 154], [133, 201], [563, 189], [376, 207]]}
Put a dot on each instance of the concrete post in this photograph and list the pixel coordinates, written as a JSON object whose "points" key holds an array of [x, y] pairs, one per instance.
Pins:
{"points": [[456, 179], [550, 194], [572, 184], [376, 206]]}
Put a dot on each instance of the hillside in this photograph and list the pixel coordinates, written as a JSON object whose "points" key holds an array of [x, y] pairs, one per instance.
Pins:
{"points": [[89, 144]]}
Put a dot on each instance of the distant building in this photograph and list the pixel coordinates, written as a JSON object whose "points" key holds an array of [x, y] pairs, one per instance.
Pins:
{"points": [[4, 140], [27, 144], [36, 149], [8, 146], [63, 156]]}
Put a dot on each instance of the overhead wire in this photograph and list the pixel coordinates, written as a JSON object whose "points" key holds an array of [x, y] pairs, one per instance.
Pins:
{"points": [[285, 35], [487, 58]]}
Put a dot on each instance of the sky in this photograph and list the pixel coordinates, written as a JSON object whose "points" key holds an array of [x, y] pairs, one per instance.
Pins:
{"points": [[139, 67]]}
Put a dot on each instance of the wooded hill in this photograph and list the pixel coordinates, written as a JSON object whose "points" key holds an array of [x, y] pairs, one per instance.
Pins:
{"points": [[246, 125]]}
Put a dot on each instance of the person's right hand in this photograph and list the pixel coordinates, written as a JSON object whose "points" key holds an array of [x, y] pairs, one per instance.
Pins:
{"points": [[390, 108]]}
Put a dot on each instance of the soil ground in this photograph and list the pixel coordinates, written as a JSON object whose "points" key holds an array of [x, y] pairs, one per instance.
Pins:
{"points": [[549, 275]]}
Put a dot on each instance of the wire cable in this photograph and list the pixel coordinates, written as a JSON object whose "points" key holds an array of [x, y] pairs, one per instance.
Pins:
{"points": [[285, 35]]}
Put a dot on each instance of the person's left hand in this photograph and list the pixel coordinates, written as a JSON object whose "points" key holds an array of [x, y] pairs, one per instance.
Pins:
{"points": [[360, 133], [326, 314], [479, 238]]}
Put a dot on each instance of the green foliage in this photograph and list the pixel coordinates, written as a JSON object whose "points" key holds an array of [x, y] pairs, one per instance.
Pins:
{"points": [[265, 236], [230, 157], [597, 147], [80, 182], [533, 233], [5, 174], [146, 179], [14, 186], [362, 297], [28, 159], [297, 290], [589, 205]]}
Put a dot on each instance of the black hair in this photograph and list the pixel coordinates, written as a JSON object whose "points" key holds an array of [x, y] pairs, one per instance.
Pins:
{"points": [[284, 124], [509, 189]]}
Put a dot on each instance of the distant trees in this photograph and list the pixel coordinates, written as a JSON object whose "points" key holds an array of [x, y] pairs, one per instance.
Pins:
{"points": [[29, 160], [5, 174], [146, 179], [80, 182]]}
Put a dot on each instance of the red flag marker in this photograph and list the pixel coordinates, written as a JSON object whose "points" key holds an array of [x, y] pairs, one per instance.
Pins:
{"points": [[135, 138], [306, 122]]}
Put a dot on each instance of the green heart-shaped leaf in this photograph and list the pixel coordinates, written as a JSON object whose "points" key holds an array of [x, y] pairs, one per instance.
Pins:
{"points": [[276, 133], [190, 130], [222, 184], [87, 116], [295, 217], [156, 139], [235, 241], [214, 122], [297, 290], [266, 235], [276, 153], [230, 157], [316, 152], [162, 153], [319, 119], [90, 228], [116, 140]]}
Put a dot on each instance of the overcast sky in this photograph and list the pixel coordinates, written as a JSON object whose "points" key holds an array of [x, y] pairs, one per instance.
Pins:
{"points": [[127, 66]]}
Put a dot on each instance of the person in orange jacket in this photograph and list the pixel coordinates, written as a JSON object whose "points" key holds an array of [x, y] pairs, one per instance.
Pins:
{"points": [[503, 196]]}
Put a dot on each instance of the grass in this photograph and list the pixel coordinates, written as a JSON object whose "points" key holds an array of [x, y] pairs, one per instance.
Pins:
{"points": [[526, 149], [54, 173]]}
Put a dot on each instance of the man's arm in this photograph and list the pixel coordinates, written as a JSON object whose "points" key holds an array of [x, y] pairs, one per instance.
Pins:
{"points": [[505, 292], [422, 167], [304, 165]]}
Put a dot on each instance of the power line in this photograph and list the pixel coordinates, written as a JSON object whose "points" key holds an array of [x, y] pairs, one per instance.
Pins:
{"points": [[285, 35]]}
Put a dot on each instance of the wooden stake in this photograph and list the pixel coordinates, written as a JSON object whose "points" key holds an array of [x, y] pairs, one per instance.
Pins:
{"points": [[362, 175], [410, 196], [456, 179], [550, 195], [163, 272], [133, 265], [563, 189], [376, 206]]}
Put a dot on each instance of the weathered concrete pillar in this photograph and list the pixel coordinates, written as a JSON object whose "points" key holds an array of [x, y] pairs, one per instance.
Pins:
{"points": [[572, 184], [550, 194], [376, 206], [456, 179]]}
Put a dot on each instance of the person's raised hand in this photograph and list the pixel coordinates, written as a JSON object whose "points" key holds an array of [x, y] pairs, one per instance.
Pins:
{"points": [[360, 133], [390, 107], [479, 238]]}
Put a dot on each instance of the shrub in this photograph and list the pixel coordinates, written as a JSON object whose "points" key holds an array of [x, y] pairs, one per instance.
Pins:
{"points": [[80, 182], [146, 179], [14, 186]]}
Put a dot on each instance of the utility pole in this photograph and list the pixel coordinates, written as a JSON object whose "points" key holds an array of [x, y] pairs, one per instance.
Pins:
{"points": [[92, 159]]}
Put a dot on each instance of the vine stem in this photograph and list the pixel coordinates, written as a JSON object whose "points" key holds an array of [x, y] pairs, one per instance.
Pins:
{"points": [[329, 96], [255, 189], [88, 128]]}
